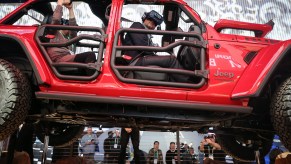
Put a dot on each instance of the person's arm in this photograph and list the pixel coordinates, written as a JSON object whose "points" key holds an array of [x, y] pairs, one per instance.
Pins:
{"points": [[84, 141], [72, 19], [95, 139], [168, 157], [106, 145], [58, 13], [149, 156], [138, 39], [161, 156], [201, 147], [215, 145]]}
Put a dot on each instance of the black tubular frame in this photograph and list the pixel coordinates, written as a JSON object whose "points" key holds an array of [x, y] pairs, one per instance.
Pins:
{"points": [[95, 66], [201, 43]]}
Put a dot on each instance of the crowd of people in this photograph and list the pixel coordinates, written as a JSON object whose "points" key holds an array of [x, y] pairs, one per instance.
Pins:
{"points": [[118, 150]]}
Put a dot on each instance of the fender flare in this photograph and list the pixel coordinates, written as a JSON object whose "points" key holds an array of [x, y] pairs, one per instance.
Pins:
{"points": [[258, 73], [28, 55]]}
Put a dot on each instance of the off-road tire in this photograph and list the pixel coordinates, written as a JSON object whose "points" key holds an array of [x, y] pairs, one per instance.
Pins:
{"points": [[230, 146], [281, 112], [67, 136], [15, 101]]}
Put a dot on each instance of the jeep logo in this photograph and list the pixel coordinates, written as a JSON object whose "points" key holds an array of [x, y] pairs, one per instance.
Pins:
{"points": [[224, 74]]}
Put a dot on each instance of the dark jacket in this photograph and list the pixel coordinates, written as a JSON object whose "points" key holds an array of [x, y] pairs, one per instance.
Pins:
{"points": [[137, 39], [189, 159], [107, 145], [170, 155], [151, 156]]}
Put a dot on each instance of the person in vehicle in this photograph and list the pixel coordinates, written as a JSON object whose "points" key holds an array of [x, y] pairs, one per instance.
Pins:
{"points": [[66, 54], [145, 58]]}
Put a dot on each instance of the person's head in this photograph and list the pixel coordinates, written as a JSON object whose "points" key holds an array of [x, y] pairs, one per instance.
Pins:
{"points": [[210, 136], [89, 130], [191, 150], [152, 19], [186, 146], [117, 133], [110, 134], [172, 146], [156, 145]]}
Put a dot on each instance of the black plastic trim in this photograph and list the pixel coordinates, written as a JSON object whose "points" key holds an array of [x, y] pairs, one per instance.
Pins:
{"points": [[35, 70], [268, 76], [250, 56], [144, 102]]}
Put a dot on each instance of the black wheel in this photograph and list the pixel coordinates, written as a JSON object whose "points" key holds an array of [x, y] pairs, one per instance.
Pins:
{"points": [[281, 112], [60, 135], [243, 151], [15, 98]]}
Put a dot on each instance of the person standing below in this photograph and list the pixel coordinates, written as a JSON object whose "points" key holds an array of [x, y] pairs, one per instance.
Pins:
{"points": [[212, 150], [25, 140], [107, 147], [155, 155], [190, 157], [88, 143], [148, 58], [66, 54], [115, 146], [171, 155], [133, 133]]}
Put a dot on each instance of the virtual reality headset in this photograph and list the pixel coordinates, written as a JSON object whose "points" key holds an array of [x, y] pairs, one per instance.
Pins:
{"points": [[154, 16]]}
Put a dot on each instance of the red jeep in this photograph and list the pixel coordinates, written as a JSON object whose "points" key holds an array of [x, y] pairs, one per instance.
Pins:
{"points": [[240, 85]]}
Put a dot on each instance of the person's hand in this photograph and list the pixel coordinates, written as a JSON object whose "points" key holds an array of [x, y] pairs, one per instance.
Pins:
{"points": [[128, 130], [60, 2], [90, 142], [69, 6], [204, 142], [66, 2], [209, 141]]}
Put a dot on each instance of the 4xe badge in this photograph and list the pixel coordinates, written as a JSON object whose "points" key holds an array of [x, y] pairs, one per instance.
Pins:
{"points": [[228, 75]]}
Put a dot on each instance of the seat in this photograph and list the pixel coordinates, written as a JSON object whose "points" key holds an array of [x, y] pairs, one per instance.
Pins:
{"points": [[147, 75], [188, 56]]}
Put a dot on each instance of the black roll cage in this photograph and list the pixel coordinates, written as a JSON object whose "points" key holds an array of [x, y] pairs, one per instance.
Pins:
{"points": [[95, 66], [201, 43]]}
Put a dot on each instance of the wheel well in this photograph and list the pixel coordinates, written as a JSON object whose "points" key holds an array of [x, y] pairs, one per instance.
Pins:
{"points": [[279, 74], [13, 52], [283, 70], [261, 103]]}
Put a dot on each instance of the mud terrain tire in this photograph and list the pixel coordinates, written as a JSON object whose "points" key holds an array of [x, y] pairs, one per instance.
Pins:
{"points": [[281, 112], [15, 98], [230, 146], [60, 135]]}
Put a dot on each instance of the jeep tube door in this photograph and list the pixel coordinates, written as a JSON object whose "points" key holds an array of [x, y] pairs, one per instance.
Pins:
{"points": [[172, 39]]}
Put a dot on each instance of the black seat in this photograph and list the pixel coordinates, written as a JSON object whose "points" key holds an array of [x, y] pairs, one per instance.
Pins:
{"points": [[147, 75], [188, 56]]}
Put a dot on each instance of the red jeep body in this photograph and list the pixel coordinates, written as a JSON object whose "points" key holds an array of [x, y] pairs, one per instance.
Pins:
{"points": [[238, 78]]}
